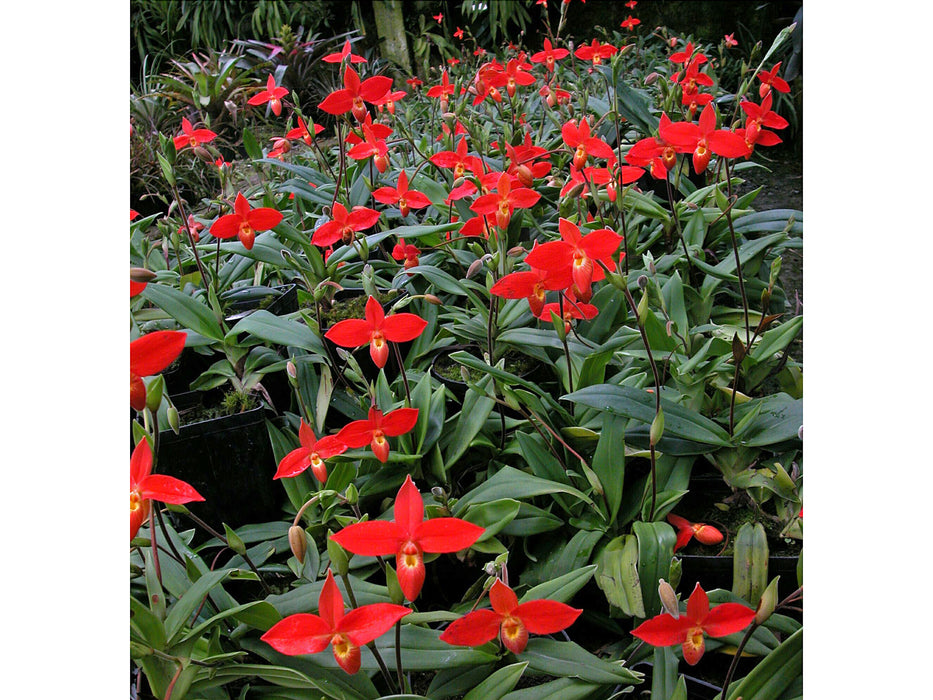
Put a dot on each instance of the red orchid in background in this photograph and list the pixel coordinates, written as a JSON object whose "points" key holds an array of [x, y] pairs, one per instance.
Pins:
{"points": [[760, 116], [280, 146], [685, 55], [659, 153], [355, 93], [730, 41], [705, 534], [150, 354], [554, 95], [376, 329], [407, 199], [272, 94], [439, 17], [371, 146], [578, 254], [408, 536], [146, 487], [442, 91], [312, 453], [693, 78], [584, 145], [688, 630], [532, 285], [478, 226], [245, 222], [595, 52], [769, 79], [342, 54], [510, 620], [194, 226], [191, 137], [549, 55], [305, 633], [630, 23], [631, 4], [344, 224], [376, 428], [407, 252], [133, 214], [459, 34], [389, 99], [505, 200], [694, 100], [515, 73], [301, 132], [414, 82], [458, 160]]}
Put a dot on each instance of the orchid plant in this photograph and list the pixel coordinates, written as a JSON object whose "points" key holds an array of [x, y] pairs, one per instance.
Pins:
{"points": [[557, 204]]}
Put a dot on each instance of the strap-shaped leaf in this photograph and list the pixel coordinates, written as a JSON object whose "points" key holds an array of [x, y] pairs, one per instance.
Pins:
{"points": [[277, 330], [639, 405], [573, 661], [187, 310], [183, 609], [563, 588], [498, 684], [509, 482]]}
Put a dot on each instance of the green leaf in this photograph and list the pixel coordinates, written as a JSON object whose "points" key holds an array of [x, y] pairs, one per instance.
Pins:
{"points": [[563, 588], [147, 628], [609, 462], [476, 409], [492, 516], [561, 689], [509, 482], [655, 551], [455, 681], [279, 331], [639, 405], [498, 684], [772, 675], [571, 660], [776, 419], [617, 575], [183, 609], [189, 312]]}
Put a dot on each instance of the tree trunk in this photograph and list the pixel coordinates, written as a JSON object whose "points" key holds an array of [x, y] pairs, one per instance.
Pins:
{"points": [[391, 29]]}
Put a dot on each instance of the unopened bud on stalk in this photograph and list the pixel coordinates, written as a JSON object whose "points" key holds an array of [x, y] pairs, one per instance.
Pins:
{"points": [[490, 568], [657, 428], [575, 191], [291, 370], [768, 602], [439, 494], [154, 393], [651, 268], [173, 419], [515, 252], [475, 266], [431, 299], [464, 374], [651, 78], [449, 115], [352, 494], [668, 598], [642, 281], [298, 542], [642, 309], [141, 274]]}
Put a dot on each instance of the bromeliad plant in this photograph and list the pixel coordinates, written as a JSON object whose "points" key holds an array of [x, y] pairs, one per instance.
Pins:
{"points": [[580, 210]]}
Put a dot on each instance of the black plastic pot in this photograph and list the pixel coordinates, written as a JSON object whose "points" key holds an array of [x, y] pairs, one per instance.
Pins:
{"points": [[229, 460]]}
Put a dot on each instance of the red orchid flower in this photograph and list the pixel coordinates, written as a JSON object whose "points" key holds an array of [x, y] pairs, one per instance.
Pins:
{"points": [[272, 94], [769, 79], [408, 536], [478, 226], [579, 254], [301, 132], [549, 55], [694, 100], [280, 146], [554, 95], [305, 633], [703, 139], [371, 146], [415, 82], [666, 630], [342, 54], [659, 153], [389, 99], [376, 428], [407, 252], [630, 23], [442, 91], [376, 329], [505, 200], [760, 116], [195, 226], [405, 198], [522, 161], [515, 73], [685, 55], [439, 17], [705, 534], [245, 222], [569, 310], [595, 52], [150, 354], [459, 34], [354, 93], [458, 160], [344, 224], [133, 214], [510, 620], [584, 145], [631, 4], [312, 453], [192, 137], [532, 285], [730, 41], [146, 486], [693, 78]]}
